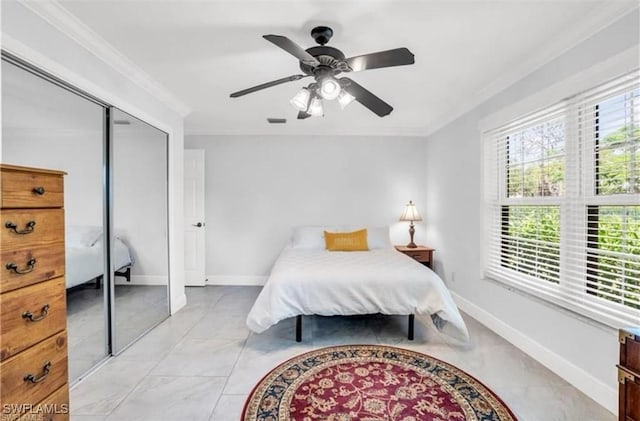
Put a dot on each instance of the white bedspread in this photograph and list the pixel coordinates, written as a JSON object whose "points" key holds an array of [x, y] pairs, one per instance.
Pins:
{"points": [[332, 283], [84, 263]]}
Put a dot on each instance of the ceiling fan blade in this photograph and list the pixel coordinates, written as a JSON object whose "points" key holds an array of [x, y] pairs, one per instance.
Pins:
{"points": [[389, 58], [267, 85], [292, 48], [302, 115], [366, 98]]}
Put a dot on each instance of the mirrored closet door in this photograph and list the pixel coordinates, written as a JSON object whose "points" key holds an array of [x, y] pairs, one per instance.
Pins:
{"points": [[115, 201], [140, 254], [46, 126]]}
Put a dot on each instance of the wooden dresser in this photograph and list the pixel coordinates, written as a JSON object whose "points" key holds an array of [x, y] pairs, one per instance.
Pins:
{"points": [[629, 375], [33, 314]]}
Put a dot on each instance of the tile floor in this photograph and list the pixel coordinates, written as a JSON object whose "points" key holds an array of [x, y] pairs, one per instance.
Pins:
{"points": [[201, 363], [138, 307]]}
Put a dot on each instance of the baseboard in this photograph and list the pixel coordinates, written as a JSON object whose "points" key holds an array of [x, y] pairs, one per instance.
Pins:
{"points": [[251, 280], [143, 280], [580, 379]]}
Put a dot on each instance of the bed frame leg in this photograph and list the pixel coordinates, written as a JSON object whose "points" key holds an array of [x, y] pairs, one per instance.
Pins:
{"points": [[299, 328], [412, 318], [98, 281]]}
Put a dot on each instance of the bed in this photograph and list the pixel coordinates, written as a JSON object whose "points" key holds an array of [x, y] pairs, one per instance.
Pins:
{"points": [[85, 257], [308, 280]]}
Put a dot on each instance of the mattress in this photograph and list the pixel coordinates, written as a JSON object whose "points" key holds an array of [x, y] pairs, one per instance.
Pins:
{"points": [[331, 283], [84, 263]]}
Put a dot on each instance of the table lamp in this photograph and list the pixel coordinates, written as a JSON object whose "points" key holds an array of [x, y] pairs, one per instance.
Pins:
{"points": [[411, 214]]}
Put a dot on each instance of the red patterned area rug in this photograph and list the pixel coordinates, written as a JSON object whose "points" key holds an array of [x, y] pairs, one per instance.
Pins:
{"points": [[371, 383]]}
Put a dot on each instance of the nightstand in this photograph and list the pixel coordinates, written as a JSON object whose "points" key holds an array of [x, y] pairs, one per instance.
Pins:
{"points": [[422, 254]]}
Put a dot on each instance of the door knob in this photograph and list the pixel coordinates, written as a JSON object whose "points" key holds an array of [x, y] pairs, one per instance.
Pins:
{"points": [[199, 224]]}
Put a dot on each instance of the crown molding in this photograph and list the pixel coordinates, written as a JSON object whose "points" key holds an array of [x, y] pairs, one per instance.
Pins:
{"points": [[601, 17], [302, 131], [68, 24]]}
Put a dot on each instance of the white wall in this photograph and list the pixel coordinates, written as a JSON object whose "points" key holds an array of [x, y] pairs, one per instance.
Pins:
{"points": [[258, 187], [583, 352], [47, 43]]}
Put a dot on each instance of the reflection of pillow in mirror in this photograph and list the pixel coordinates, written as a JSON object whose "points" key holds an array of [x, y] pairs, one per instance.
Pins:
{"points": [[82, 235], [307, 237]]}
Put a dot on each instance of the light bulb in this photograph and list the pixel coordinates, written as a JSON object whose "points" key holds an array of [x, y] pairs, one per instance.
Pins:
{"points": [[345, 99], [329, 88], [315, 108], [301, 100]]}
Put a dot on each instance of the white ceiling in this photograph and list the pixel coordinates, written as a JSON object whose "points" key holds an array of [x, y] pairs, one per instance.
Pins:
{"points": [[465, 51]]}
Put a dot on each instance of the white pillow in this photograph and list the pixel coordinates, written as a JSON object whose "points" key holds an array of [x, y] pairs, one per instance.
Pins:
{"points": [[82, 235], [311, 238], [377, 237]]}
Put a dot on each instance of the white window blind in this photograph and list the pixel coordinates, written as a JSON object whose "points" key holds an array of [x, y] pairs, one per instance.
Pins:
{"points": [[562, 202]]}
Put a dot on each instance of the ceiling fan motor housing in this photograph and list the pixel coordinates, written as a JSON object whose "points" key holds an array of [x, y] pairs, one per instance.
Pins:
{"points": [[322, 34], [330, 59]]}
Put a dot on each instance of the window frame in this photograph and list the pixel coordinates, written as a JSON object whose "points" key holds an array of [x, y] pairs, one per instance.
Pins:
{"points": [[581, 185]]}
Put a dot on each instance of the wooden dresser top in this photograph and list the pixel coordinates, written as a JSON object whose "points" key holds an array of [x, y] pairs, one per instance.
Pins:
{"points": [[17, 168]]}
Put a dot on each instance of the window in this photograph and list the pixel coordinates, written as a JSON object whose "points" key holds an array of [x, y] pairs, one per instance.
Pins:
{"points": [[562, 193]]}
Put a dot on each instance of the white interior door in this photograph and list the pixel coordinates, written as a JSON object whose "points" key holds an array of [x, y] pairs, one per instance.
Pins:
{"points": [[194, 227]]}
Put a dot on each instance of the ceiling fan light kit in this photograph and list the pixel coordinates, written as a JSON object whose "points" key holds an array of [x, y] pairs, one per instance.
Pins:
{"points": [[324, 63], [301, 100], [330, 88], [345, 99]]}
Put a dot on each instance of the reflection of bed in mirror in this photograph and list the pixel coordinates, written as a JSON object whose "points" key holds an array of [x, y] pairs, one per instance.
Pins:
{"points": [[85, 257]]}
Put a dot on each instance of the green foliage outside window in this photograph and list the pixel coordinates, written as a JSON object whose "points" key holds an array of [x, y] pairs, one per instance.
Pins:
{"points": [[614, 254], [619, 162], [531, 240]]}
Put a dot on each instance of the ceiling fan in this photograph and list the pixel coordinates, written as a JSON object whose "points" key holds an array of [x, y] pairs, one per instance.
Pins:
{"points": [[324, 64]]}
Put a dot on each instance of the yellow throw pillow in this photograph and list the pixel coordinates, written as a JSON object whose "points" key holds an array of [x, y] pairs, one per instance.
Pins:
{"points": [[346, 241]]}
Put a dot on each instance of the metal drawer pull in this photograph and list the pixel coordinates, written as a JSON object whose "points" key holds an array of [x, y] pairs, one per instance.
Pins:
{"points": [[38, 190], [29, 227], [37, 379], [31, 265], [27, 315]]}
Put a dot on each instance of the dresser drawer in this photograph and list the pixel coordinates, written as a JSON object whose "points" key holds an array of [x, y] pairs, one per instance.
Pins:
{"points": [[421, 256], [54, 407], [22, 228], [34, 374], [31, 314], [629, 390], [27, 266], [21, 189]]}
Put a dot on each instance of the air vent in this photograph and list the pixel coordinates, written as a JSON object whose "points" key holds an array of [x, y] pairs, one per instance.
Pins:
{"points": [[272, 120], [121, 122]]}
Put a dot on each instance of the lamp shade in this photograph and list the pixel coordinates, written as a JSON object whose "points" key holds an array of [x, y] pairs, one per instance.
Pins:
{"points": [[301, 100], [315, 107], [329, 88], [345, 98], [410, 213]]}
